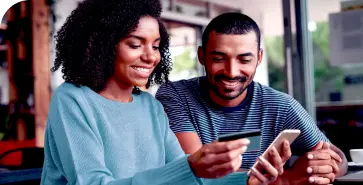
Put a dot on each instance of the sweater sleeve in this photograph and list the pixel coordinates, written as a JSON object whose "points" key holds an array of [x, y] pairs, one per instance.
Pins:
{"points": [[78, 152]]}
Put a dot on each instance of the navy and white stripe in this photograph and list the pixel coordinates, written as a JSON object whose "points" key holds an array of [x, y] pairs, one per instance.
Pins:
{"points": [[189, 109]]}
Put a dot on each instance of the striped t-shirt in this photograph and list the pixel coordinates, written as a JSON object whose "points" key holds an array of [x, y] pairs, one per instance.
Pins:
{"points": [[190, 109]]}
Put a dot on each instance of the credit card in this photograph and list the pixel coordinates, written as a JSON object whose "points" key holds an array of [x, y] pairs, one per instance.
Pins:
{"points": [[253, 135]]}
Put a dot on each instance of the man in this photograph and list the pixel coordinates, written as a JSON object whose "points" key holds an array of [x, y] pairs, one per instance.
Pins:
{"points": [[227, 100]]}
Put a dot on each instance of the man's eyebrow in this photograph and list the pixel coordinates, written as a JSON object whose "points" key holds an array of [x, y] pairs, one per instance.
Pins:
{"points": [[215, 52], [246, 54]]}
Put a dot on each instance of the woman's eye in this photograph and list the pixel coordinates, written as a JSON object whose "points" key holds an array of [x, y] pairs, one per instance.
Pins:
{"points": [[134, 46], [156, 47]]}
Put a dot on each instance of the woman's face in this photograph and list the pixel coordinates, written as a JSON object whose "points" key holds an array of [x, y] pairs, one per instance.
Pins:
{"points": [[138, 53]]}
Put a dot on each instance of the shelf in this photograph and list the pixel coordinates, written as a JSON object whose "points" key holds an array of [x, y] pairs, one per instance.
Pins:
{"points": [[3, 26], [339, 103]]}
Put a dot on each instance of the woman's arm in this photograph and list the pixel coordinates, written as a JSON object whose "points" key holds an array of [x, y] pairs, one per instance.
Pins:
{"points": [[79, 154]]}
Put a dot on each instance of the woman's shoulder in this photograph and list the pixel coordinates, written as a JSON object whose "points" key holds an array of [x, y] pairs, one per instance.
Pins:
{"points": [[68, 91]]}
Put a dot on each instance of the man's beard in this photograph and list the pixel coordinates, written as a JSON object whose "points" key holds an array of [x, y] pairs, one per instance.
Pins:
{"points": [[215, 90], [240, 79]]}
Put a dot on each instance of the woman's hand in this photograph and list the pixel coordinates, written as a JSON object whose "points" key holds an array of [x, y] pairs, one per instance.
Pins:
{"points": [[270, 168], [218, 159]]}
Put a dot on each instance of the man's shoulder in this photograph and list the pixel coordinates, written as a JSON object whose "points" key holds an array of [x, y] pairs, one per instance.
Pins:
{"points": [[270, 95], [179, 88]]}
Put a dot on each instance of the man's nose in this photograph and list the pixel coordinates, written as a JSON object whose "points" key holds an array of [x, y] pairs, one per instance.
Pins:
{"points": [[231, 69]]}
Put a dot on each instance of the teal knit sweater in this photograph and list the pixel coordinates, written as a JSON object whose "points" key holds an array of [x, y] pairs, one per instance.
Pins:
{"points": [[91, 140]]}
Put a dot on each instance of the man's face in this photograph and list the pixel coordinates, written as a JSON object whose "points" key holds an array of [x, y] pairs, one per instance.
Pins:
{"points": [[230, 62]]}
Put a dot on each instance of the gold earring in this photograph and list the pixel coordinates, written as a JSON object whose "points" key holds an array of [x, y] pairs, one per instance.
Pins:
{"points": [[136, 90]]}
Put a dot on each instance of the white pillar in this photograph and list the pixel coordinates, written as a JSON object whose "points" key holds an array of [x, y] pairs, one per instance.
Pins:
{"points": [[252, 10], [62, 10]]}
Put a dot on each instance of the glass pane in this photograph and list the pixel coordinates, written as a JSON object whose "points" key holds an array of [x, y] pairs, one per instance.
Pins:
{"points": [[338, 77], [333, 82], [191, 8], [273, 41], [183, 50]]}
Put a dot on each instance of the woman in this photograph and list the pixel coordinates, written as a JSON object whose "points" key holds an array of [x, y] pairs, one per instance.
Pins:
{"points": [[101, 129]]}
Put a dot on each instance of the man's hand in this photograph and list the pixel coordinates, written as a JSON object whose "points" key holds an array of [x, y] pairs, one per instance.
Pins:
{"points": [[218, 159], [318, 166], [268, 170]]}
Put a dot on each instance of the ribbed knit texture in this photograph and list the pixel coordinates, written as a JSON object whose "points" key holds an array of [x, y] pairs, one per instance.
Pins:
{"points": [[91, 140]]}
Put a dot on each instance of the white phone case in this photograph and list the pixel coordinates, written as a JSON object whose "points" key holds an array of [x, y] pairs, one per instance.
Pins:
{"points": [[289, 135]]}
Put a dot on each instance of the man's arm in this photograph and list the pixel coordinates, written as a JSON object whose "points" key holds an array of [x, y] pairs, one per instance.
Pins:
{"points": [[327, 162], [179, 119], [343, 166], [323, 163], [189, 141]]}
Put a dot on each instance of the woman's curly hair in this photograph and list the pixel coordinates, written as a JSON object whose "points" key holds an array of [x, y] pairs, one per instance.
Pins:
{"points": [[86, 43]]}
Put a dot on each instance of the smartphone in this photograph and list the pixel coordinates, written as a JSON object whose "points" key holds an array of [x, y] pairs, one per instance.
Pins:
{"points": [[289, 135], [253, 135]]}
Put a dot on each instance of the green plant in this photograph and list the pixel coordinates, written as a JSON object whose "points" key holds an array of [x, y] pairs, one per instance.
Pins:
{"points": [[274, 49], [184, 61]]}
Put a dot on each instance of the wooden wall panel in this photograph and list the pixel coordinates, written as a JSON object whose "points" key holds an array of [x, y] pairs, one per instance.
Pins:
{"points": [[41, 66]]}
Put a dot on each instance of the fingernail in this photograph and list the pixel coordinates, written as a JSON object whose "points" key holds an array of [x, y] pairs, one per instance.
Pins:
{"points": [[340, 159], [248, 142], [253, 170], [244, 148], [262, 160], [309, 170], [310, 156], [311, 180], [286, 143]]}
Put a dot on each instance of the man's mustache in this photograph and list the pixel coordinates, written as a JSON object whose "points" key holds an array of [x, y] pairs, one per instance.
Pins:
{"points": [[237, 78]]}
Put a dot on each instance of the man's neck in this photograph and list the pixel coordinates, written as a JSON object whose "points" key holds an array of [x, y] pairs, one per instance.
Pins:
{"points": [[228, 103]]}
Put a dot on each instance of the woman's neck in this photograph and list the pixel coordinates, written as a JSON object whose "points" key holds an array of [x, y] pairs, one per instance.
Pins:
{"points": [[117, 91]]}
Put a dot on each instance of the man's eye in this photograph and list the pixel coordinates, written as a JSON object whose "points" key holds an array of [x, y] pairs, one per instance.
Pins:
{"points": [[245, 61], [218, 59]]}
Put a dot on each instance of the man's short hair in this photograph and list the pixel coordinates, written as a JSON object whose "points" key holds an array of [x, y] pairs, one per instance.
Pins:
{"points": [[231, 24]]}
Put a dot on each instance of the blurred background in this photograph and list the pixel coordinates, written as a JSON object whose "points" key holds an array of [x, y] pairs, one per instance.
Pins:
{"points": [[313, 51]]}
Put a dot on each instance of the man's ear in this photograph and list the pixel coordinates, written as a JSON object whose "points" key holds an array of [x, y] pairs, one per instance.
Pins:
{"points": [[259, 56], [201, 55]]}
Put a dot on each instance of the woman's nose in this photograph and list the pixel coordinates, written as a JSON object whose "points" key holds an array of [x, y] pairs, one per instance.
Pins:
{"points": [[149, 58]]}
